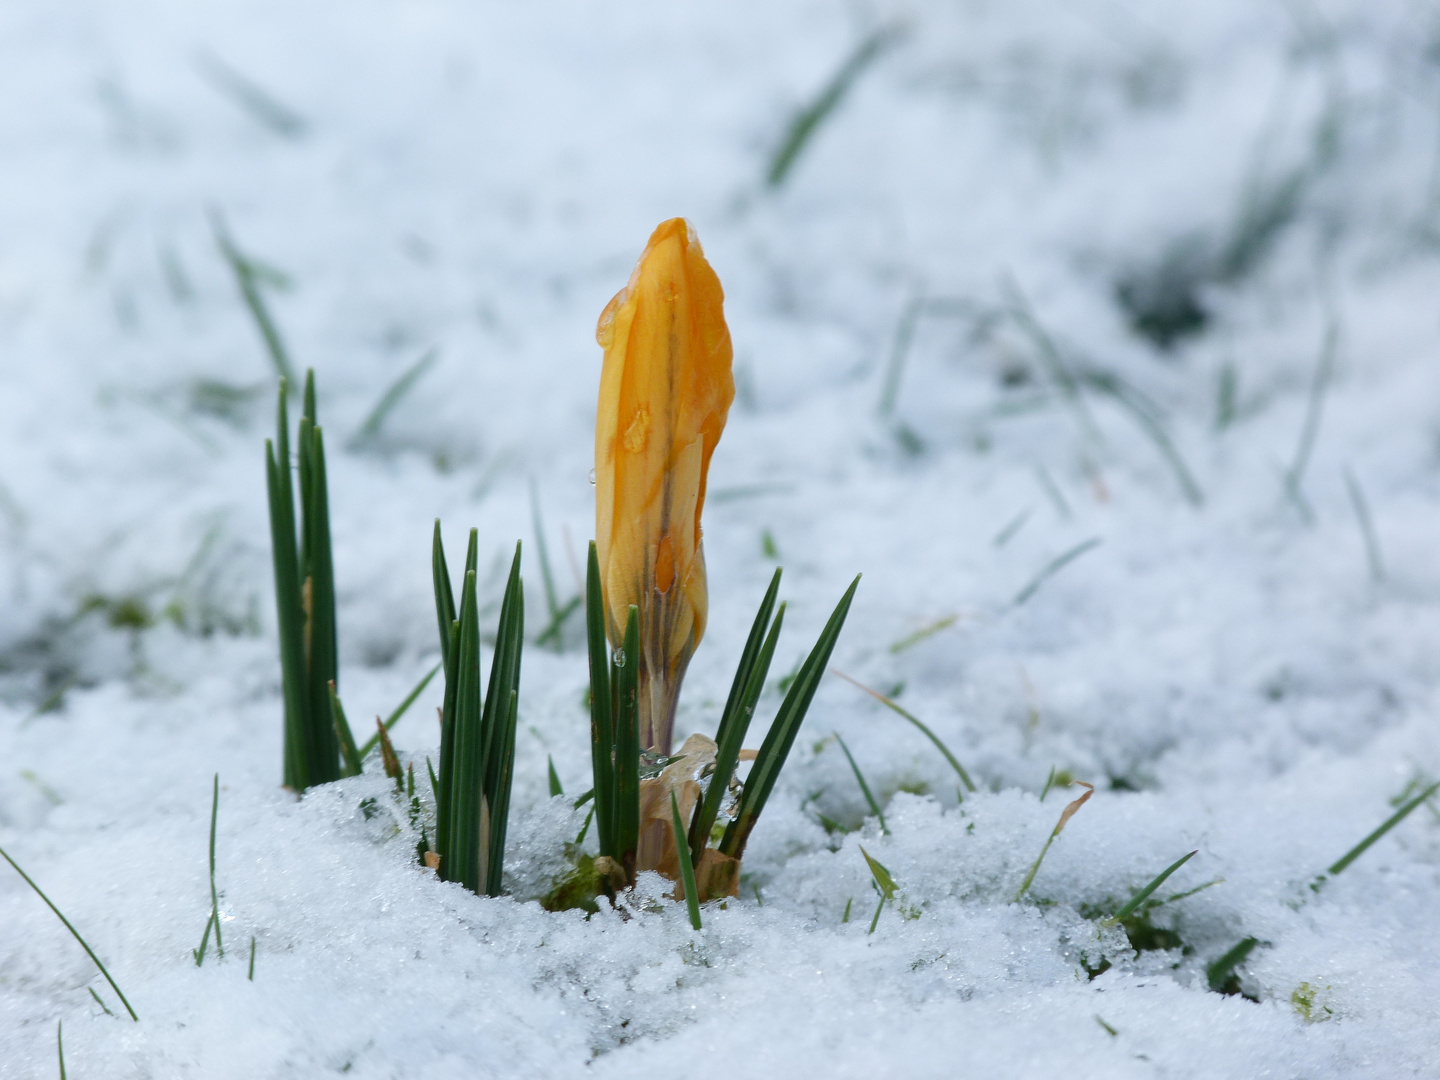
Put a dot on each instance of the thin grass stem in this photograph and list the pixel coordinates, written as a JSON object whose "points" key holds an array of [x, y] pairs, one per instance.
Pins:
{"points": [[1065, 816], [805, 124], [214, 894], [1388, 824], [1053, 567], [1144, 894], [1310, 428], [924, 730], [864, 787], [73, 932], [370, 429], [687, 867], [400, 710], [1367, 527]]}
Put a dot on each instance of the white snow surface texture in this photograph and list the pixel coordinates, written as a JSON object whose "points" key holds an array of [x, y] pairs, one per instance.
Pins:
{"points": [[1154, 286]]}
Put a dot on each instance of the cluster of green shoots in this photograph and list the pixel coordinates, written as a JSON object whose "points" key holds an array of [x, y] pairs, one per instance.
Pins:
{"points": [[472, 785]]}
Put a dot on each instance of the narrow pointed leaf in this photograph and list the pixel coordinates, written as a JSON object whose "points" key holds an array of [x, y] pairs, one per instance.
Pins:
{"points": [[781, 736]]}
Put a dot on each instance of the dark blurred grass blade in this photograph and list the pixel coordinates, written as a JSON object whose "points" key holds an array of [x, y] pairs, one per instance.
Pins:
{"points": [[400, 710], [911, 640], [924, 730], [781, 736], [250, 975], [260, 104], [1367, 527], [1218, 973], [1053, 567], [248, 281], [370, 429], [1144, 894], [956, 307], [552, 599], [1310, 428], [602, 733], [1146, 416], [804, 126], [73, 932], [864, 787], [687, 868], [739, 710]]}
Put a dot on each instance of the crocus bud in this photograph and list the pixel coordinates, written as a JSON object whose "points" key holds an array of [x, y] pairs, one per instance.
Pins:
{"points": [[665, 390]]}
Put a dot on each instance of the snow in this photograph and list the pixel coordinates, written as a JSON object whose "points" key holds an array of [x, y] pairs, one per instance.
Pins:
{"points": [[479, 178]]}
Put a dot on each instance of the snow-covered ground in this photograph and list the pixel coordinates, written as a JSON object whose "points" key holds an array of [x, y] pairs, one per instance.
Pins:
{"points": [[1237, 665]]}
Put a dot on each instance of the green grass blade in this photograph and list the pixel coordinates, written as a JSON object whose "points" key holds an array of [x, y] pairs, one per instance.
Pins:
{"points": [[1149, 420], [551, 634], [864, 787], [1053, 567], [99, 1001], [464, 857], [625, 817], [924, 730], [1218, 973], [199, 953], [289, 615], [784, 728], [250, 975], [350, 758], [687, 868], [60, 1045], [602, 731], [501, 718], [1144, 894], [324, 746], [553, 777], [258, 102], [1367, 527], [732, 736], [500, 814], [883, 879], [1389, 823], [444, 595], [1065, 816], [370, 429], [249, 284], [883, 882], [552, 599], [73, 932], [400, 710], [804, 126], [214, 895], [1324, 367]]}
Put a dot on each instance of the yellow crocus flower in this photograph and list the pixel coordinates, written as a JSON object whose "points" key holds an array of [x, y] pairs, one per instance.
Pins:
{"points": [[665, 390]]}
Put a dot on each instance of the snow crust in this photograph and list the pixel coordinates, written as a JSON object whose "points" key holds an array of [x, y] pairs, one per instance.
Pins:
{"points": [[1234, 671]]}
